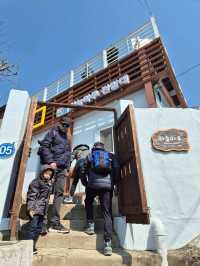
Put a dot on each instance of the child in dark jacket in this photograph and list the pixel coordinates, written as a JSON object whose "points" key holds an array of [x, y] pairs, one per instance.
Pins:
{"points": [[37, 203]]}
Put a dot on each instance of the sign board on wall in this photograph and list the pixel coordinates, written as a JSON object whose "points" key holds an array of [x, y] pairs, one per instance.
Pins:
{"points": [[97, 94], [7, 150], [105, 90], [170, 140]]}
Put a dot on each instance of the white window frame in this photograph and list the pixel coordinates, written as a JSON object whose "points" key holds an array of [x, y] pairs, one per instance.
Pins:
{"points": [[98, 135]]}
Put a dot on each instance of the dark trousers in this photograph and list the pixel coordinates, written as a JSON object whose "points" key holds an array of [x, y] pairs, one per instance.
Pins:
{"points": [[105, 198], [35, 227], [58, 197]]}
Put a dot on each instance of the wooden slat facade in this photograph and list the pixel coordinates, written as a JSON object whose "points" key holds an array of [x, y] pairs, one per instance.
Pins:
{"points": [[147, 64]]}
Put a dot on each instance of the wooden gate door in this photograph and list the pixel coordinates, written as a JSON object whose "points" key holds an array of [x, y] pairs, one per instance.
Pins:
{"points": [[132, 196]]}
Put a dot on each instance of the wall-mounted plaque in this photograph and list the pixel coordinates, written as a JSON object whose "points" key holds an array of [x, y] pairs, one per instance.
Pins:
{"points": [[171, 140]]}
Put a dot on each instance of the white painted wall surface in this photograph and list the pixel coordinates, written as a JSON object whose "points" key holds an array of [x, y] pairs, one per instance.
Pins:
{"points": [[33, 164], [171, 182], [87, 127], [0, 123], [172, 179], [12, 130]]}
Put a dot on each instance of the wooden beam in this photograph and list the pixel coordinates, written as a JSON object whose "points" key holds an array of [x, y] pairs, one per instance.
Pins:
{"points": [[167, 96], [88, 107], [149, 93], [147, 78], [22, 168]]}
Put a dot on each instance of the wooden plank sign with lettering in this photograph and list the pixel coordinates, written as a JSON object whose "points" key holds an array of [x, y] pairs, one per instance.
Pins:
{"points": [[171, 140]]}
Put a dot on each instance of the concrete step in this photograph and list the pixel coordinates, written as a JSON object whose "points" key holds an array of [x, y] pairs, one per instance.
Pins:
{"points": [[75, 224], [67, 212], [74, 240], [80, 257]]}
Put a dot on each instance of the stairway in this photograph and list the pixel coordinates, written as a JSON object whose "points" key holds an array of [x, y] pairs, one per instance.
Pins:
{"points": [[80, 249]]}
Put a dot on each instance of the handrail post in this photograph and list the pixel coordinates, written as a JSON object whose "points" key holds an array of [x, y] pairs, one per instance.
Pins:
{"points": [[71, 78], [155, 27], [45, 95], [104, 57]]}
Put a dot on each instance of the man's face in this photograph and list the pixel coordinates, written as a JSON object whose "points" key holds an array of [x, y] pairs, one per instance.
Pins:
{"points": [[64, 127], [47, 175]]}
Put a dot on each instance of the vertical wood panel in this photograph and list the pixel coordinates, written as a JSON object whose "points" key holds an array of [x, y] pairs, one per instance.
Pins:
{"points": [[22, 168], [132, 196]]}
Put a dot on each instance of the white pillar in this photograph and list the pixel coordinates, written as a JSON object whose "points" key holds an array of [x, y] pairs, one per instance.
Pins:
{"points": [[45, 95], [121, 106], [104, 57], [12, 131], [155, 27], [71, 78]]}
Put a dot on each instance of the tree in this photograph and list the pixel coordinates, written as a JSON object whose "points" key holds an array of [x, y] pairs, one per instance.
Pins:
{"points": [[6, 69]]}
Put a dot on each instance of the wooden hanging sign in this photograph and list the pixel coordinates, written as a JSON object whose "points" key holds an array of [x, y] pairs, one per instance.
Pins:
{"points": [[171, 140]]}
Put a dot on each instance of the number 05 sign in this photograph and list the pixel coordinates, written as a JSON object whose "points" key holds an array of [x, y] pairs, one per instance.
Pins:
{"points": [[7, 150]]}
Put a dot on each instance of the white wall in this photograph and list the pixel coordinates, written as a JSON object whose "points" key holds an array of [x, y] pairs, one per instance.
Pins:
{"points": [[12, 131], [87, 127], [0, 123], [33, 164], [171, 181]]}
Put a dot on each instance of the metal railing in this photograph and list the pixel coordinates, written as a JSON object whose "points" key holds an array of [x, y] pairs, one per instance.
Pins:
{"points": [[112, 54]]}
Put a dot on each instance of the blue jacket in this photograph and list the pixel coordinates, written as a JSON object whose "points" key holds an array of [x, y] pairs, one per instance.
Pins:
{"points": [[96, 181], [55, 147]]}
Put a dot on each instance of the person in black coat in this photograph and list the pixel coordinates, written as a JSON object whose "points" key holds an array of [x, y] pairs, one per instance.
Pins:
{"points": [[37, 202], [101, 184], [55, 151]]}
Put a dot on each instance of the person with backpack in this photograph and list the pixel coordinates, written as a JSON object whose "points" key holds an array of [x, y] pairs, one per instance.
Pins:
{"points": [[100, 173], [37, 203], [55, 151]]}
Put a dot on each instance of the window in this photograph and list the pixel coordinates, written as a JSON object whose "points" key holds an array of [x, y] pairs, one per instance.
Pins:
{"points": [[112, 55], [106, 136], [160, 99]]}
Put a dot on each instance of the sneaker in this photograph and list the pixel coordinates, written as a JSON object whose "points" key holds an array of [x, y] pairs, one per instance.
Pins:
{"points": [[107, 248], [59, 228], [35, 251], [90, 229], [67, 200]]}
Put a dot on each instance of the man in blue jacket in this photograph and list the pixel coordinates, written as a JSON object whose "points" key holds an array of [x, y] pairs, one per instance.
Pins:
{"points": [[100, 173], [55, 151]]}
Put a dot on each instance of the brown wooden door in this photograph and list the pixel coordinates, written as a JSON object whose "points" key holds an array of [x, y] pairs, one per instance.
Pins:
{"points": [[132, 196]]}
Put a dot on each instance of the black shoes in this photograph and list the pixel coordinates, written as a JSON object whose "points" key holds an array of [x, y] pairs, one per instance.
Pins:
{"points": [[35, 251], [59, 228], [44, 230]]}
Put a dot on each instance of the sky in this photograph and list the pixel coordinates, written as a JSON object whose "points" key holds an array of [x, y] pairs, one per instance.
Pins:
{"points": [[45, 39]]}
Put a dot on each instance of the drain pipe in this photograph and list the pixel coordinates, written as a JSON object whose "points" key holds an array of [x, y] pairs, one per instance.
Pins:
{"points": [[159, 235]]}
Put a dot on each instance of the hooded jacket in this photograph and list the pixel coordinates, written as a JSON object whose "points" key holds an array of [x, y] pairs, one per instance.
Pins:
{"points": [[55, 147], [38, 195]]}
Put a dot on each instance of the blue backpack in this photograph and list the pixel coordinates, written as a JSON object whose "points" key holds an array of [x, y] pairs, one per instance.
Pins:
{"points": [[101, 162]]}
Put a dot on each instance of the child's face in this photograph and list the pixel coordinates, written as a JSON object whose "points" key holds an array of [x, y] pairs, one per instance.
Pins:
{"points": [[47, 175]]}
